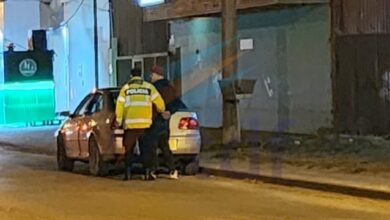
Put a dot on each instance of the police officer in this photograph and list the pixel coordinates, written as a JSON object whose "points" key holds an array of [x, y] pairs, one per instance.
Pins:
{"points": [[134, 113]]}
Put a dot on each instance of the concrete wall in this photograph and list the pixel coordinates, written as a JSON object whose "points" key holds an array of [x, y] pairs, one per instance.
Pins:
{"points": [[104, 39], [1, 42], [73, 42], [52, 14], [134, 35], [81, 51], [291, 61], [58, 41]]}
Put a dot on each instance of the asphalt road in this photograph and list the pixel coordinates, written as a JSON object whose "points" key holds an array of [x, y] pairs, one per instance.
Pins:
{"points": [[31, 188]]}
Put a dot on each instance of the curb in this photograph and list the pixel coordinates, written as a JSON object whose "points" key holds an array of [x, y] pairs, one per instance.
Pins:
{"points": [[326, 187]]}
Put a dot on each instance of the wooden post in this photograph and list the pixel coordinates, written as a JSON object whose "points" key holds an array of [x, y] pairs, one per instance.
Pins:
{"points": [[231, 121]]}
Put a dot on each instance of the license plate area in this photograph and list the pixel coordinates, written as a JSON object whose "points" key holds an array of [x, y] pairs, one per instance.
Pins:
{"points": [[173, 144]]}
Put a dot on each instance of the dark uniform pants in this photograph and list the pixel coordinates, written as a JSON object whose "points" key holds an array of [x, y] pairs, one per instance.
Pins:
{"points": [[130, 137], [157, 136]]}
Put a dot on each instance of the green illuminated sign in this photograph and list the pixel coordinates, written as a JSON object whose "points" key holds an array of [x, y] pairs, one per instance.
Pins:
{"points": [[27, 101]]}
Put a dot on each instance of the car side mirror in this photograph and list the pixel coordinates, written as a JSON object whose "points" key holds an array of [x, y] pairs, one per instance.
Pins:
{"points": [[88, 113], [66, 114]]}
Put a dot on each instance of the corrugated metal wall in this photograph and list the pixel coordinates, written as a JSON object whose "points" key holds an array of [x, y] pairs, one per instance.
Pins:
{"points": [[361, 16], [361, 82], [134, 35], [363, 77]]}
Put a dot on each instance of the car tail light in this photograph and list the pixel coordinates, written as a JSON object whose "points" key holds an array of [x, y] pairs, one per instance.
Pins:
{"points": [[188, 123]]}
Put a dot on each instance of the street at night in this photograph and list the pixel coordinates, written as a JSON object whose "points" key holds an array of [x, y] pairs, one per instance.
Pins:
{"points": [[194, 109], [32, 188]]}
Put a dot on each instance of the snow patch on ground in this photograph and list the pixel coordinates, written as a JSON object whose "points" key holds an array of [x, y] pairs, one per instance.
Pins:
{"points": [[29, 139]]}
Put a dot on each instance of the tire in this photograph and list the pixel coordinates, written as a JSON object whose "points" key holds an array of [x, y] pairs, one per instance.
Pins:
{"points": [[97, 167], [63, 162], [191, 168]]}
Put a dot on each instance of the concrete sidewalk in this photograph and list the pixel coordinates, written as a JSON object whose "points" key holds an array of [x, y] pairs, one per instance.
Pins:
{"points": [[278, 170], [353, 161]]}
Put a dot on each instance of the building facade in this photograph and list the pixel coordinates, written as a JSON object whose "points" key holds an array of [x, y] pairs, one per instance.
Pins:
{"points": [[361, 57], [290, 59], [318, 64], [286, 47], [139, 44], [69, 25], [73, 41]]}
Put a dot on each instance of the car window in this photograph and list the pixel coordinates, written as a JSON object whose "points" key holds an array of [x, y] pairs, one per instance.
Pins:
{"points": [[113, 97], [96, 105], [81, 109]]}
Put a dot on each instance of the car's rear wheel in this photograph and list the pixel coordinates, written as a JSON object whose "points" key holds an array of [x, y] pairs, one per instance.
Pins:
{"points": [[191, 168], [63, 162], [97, 166], [188, 166]]}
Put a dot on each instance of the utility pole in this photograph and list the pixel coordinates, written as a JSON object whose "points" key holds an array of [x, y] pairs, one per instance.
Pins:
{"points": [[96, 43], [231, 122]]}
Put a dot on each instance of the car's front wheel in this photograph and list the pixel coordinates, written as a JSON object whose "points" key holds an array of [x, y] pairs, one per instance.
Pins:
{"points": [[97, 166], [63, 162]]}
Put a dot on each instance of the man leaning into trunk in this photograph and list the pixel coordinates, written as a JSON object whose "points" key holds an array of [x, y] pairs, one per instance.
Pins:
{"points": [[158, 134]]}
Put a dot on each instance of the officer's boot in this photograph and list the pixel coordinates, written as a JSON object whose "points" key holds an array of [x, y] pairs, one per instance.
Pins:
{"points": [[150, 175], [127, 166], [127, 173]]}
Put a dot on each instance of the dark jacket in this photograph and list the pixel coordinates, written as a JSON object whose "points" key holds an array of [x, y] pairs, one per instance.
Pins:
{"points": [[168, 93], [172, 103]]}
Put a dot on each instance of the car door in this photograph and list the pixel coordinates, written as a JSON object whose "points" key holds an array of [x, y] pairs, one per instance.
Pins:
{"points": [[71, 127], [115, 143], [104, 119], [88, 122]]}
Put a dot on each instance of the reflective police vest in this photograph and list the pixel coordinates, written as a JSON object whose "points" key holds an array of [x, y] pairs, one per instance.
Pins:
{"points": [[135, 104]]}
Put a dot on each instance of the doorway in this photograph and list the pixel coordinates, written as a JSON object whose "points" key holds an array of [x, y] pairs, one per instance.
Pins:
{"points": [[144, 62], [171, 63], [138, 63]]}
